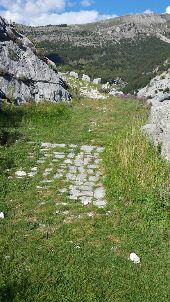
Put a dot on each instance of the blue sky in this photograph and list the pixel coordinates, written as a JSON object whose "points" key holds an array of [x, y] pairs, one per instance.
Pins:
{"points": [[43, 12], [122, 7]]}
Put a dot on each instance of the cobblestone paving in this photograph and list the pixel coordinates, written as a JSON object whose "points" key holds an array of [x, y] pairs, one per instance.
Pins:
{"points": [[77, 167]]}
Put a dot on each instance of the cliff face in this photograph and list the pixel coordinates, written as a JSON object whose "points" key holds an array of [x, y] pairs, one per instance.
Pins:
{"points": [[23, 76]]}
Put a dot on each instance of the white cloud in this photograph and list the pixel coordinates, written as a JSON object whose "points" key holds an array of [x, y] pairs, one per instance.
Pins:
{"points": [[86, 2], [168, 10], [148, 11], [44, 12]]}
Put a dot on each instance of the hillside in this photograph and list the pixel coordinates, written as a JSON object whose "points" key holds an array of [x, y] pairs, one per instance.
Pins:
{"points": [[130, 47]]}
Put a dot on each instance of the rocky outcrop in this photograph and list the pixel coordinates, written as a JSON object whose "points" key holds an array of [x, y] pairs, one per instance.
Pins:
{"points": [[158, 126], [23, 76], [158, 89]]}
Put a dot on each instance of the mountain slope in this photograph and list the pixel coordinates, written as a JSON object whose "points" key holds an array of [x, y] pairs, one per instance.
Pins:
{"points": [[130, 47]]}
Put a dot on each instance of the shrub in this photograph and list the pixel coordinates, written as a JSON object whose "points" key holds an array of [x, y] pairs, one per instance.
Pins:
{"points": [[12, 55], [3, 71]]}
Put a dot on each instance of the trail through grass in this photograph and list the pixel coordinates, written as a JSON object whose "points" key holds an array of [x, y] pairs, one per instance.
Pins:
{"points": [[52, 250]]}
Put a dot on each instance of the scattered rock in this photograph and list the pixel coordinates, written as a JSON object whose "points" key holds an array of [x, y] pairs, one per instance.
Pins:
{"points": [[2, 216], [74, 74], [134, 258], [115, 92], [20, 173], [86, 78], [97, 81]]}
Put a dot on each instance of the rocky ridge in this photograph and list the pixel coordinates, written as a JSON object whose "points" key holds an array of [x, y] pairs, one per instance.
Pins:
{"points": [[100, 33], [23, 76], [157, 93]]}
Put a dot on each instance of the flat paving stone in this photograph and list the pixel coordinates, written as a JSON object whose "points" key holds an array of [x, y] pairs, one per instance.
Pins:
{"points": [[77, 167], [93, 178], [87, 149], [86, 200], [100, 203], [99, 193]]}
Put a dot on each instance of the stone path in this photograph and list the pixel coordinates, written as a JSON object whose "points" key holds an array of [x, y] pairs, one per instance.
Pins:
{"points": [[76, 167]]}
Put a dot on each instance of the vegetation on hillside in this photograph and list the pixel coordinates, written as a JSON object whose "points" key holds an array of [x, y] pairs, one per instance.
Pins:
{"points": [[133, 61]]}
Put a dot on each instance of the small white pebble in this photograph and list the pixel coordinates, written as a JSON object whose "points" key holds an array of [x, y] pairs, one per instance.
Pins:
{"points": [[134, 258], [2, 215], [20, 173]]}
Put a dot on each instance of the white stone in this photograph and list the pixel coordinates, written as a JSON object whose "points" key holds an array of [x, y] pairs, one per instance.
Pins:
{"points": [[70, 155], [87, 149], [100, 203], [32, 174], [2, 216], [86, 193], [74, 74], [81, 177], [134, 258], [86, 200], [86, 78], [99, 193], [93, 178], [20, 173], [68, 161], [97, 81], [59, 156]]}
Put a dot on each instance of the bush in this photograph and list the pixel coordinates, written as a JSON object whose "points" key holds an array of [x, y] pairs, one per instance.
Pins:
{"points": [[12, 55]]}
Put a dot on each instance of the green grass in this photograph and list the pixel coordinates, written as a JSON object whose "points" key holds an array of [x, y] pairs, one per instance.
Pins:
{"points": [[39, 254]]}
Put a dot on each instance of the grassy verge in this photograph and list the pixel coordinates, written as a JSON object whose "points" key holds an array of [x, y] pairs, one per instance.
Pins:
{"points": [[47, 256]]}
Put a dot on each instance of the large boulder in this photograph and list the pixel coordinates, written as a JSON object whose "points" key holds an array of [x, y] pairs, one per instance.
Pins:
{"points": [[23, 76]]}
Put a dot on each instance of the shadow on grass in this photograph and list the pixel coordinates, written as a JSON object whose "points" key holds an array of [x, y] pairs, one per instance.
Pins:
{"points": [[9, 292], [10, 121]]}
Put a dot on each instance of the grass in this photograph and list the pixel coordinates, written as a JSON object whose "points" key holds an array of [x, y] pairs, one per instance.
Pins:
{"points": [[62, 258]]}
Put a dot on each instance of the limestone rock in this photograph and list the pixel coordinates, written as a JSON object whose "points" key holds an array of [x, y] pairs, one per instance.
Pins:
{"points": [[115, 92], [158, 89], [23, 76], [158, 126], [106, 86], [86, 78], [74, 74], [97, 81]]}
